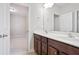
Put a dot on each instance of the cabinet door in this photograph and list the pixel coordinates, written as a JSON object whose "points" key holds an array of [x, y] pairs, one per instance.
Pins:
{"points": [[39, 47], [52, 51], [35, 44], [44, 48], [44, 39]]}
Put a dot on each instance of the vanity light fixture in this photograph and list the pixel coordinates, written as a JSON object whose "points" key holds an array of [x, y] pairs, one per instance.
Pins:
{"points": [[48, 5], [12, 9]]}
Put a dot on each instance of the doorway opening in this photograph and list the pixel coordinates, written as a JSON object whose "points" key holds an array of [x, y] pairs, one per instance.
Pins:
{"points": [[18, 29]]}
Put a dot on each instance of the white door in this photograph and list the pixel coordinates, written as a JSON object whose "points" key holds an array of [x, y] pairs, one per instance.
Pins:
{"points": [[4, 28]]}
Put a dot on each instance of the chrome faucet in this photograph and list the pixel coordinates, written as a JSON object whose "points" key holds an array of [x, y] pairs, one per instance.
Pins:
{"points": [[46, 31], [70, 34]]}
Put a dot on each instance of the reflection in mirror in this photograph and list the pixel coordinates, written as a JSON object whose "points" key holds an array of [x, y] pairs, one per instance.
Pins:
{"points": [[62, 17], [67, 17], [63, 22], [56, 22]]}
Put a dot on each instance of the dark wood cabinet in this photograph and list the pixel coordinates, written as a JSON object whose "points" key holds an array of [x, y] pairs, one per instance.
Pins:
{"points": [[44, 46], [39, 47], [37, 44], [52, 51], [40, 44], [64, 48]]}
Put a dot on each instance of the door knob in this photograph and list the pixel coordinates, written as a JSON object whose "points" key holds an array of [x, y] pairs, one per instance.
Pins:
{"points": [[5, 35]]}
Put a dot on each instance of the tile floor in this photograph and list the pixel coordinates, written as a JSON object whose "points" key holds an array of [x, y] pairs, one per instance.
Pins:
{"points": [[18, 47]]}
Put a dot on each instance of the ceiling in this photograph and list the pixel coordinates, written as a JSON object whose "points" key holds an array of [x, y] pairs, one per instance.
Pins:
{"points": [[22, 4], [63, 5]]}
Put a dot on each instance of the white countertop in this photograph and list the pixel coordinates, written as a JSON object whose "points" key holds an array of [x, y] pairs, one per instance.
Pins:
{"points": [[64, 39]]}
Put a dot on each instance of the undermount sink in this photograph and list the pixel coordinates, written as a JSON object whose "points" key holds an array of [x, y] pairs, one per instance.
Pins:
{"points": [[53, 34], [75, 35], [58, 34], [63, 34]]}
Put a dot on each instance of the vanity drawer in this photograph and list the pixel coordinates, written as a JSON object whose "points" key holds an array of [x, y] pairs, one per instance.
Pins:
{"points": [[66, 48], [44, 39]]}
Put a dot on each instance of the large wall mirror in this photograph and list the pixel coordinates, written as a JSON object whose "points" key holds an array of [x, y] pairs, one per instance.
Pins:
{"points": [[62, 17], [66, 17]]}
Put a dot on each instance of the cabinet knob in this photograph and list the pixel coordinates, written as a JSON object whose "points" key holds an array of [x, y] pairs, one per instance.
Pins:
{"points": [[55, 53]]}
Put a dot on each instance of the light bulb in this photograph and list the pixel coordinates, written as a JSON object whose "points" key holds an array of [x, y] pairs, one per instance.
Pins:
{"points": [[12, 9], [48, 5]]}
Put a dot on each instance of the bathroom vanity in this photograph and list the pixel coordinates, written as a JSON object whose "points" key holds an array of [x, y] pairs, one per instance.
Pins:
{"points": [[51, 45]]}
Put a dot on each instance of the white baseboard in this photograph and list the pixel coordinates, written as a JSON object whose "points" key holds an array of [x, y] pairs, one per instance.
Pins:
{"points": [[31, 50]]}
